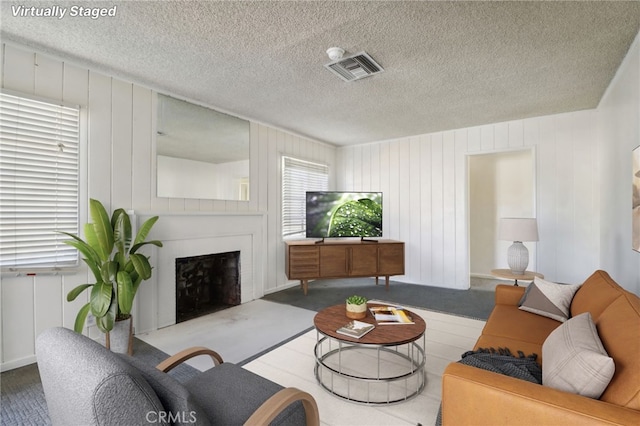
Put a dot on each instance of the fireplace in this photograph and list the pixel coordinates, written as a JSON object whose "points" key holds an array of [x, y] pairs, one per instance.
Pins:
{"points": [[189, 234], [207, 283]]}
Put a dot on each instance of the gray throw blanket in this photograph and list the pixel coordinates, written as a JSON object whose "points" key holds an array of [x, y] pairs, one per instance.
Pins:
{"points": [[501, 361]]}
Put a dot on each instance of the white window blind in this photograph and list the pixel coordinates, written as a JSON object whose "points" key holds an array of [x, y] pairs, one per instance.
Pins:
{"points": [[38, 183], [298, 177]]}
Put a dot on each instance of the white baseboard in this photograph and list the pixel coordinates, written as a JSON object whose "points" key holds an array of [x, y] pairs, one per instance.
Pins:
{"points": [[17, 363]]}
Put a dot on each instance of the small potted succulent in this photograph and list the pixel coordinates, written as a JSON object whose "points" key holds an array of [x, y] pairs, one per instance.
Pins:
{"points": [[356, 307]]}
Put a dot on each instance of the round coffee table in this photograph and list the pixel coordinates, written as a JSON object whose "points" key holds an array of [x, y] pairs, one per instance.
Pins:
{"points": [[385, 366]]}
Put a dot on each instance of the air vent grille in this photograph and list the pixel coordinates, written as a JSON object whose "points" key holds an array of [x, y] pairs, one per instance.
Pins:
{"points": [[355, 67]]}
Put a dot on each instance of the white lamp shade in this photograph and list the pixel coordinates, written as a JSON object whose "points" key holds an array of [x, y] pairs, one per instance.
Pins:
{"points": [[518, 229]]}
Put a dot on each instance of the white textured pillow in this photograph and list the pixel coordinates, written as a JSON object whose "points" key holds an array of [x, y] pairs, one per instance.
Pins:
{"points": [[574, 360], [549, 299]]}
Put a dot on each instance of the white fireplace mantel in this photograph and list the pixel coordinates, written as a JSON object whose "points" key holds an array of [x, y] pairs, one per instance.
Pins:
{"points": [[191, 234]]}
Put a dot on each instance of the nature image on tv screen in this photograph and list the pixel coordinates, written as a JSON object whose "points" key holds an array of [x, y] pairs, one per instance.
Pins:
{"points": [[344, 214]]}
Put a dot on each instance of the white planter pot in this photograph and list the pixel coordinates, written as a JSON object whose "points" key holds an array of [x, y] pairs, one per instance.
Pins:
{"points": [[356, 311], [120, 338]]}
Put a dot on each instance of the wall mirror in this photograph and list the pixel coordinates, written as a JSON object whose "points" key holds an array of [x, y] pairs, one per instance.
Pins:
{"points": [[201, 153]]}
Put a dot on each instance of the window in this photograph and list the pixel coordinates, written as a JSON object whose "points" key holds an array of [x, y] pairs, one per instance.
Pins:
{"points": [[298, 177], [38, 183]]}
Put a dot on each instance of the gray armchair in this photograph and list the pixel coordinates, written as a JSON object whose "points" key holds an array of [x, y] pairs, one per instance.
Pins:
{"points": [[86, 384]]}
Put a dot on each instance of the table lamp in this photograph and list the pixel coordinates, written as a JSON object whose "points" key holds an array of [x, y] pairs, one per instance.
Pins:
{"points": [[518, 230]]}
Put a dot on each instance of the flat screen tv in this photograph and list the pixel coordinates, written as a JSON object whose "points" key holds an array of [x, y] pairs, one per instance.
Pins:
{"points": [[334, 214]]}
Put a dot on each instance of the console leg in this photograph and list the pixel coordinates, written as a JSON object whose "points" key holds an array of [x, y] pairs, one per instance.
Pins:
{"points": [[305, 286], [386, 282]]}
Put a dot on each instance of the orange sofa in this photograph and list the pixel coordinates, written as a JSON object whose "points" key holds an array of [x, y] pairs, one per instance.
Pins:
{"points": [[472, 396]]}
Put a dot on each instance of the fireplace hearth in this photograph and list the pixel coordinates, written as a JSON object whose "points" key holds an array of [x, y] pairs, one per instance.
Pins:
{"points": [[206, 284]]}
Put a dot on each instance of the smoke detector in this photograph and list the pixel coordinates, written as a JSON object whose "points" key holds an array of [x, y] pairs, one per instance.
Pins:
{"points": [[335, 53], [354, 67]]}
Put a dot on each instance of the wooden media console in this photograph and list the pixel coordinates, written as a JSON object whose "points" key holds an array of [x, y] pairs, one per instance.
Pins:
{"points": [[308, 260]]}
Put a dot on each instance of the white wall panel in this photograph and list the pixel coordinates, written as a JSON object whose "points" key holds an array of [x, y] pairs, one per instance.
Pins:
{"points": [[75, 84], [461, 262], [437, 209], [516, 134], [487, 138], [374, 172], [531, 132], [141, 182], [18, 321], [19, 70], [449, 208], [474, 140], [501, 136], [404, 197], [121, 144], [392, 194], [620, 134], [426, 218], [413, 240], [546, 164], [357, 165], [48, 300], [99, 167], [48, 77], [383, 178], [274, 268]]}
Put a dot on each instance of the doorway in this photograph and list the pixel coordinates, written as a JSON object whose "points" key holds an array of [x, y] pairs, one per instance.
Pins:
{"points": [[501, 184]]}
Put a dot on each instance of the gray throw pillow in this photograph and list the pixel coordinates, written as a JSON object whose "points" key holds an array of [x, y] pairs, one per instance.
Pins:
{"points": [[574, 360], [549, 299]]}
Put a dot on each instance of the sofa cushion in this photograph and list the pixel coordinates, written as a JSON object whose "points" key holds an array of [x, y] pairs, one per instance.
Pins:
{"points": [[508, 327], [548, 299], [619, 329], [575, 360], [597, 292]]}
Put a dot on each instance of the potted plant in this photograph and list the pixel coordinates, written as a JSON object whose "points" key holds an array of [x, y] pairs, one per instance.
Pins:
{"points": [[356, 307], [117, 267]]}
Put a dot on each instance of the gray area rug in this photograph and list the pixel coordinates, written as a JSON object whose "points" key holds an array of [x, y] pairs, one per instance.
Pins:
{"points": [[472, 303], [22, 398]]}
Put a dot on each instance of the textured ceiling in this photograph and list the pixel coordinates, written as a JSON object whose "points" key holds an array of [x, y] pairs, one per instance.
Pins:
{"points": [[447, 64]]}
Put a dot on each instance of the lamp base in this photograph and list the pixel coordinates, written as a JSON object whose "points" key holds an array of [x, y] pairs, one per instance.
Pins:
{"points": [[518, 258]]}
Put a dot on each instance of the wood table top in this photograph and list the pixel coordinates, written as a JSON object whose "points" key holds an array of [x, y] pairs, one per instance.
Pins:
{"points": [[506, 273], [328, 320]]}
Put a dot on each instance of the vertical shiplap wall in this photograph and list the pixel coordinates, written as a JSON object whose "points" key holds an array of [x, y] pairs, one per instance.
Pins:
{"points": [[424, 180], [120, 171], [620, 130]]}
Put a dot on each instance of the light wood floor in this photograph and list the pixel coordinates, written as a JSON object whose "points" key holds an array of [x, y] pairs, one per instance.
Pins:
{"points": [[447, 338], [259, 325]]}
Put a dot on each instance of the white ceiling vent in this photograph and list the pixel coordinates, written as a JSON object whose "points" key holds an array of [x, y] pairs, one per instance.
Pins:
{"points": [[355, 67]]}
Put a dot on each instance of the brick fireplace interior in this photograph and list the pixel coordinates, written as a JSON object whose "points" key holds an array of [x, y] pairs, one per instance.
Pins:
{"points": [[206, 284]]}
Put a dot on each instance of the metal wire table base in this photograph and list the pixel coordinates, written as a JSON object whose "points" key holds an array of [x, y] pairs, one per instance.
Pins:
{"points": [[397, 374]]}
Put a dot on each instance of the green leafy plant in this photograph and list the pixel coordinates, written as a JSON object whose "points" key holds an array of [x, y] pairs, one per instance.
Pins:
{"points": [[356, 300], [355, 218], [117, 267]]}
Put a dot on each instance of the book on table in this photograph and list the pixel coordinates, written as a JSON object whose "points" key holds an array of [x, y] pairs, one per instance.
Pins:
{"points": [[355, 329], [387, 315]]}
